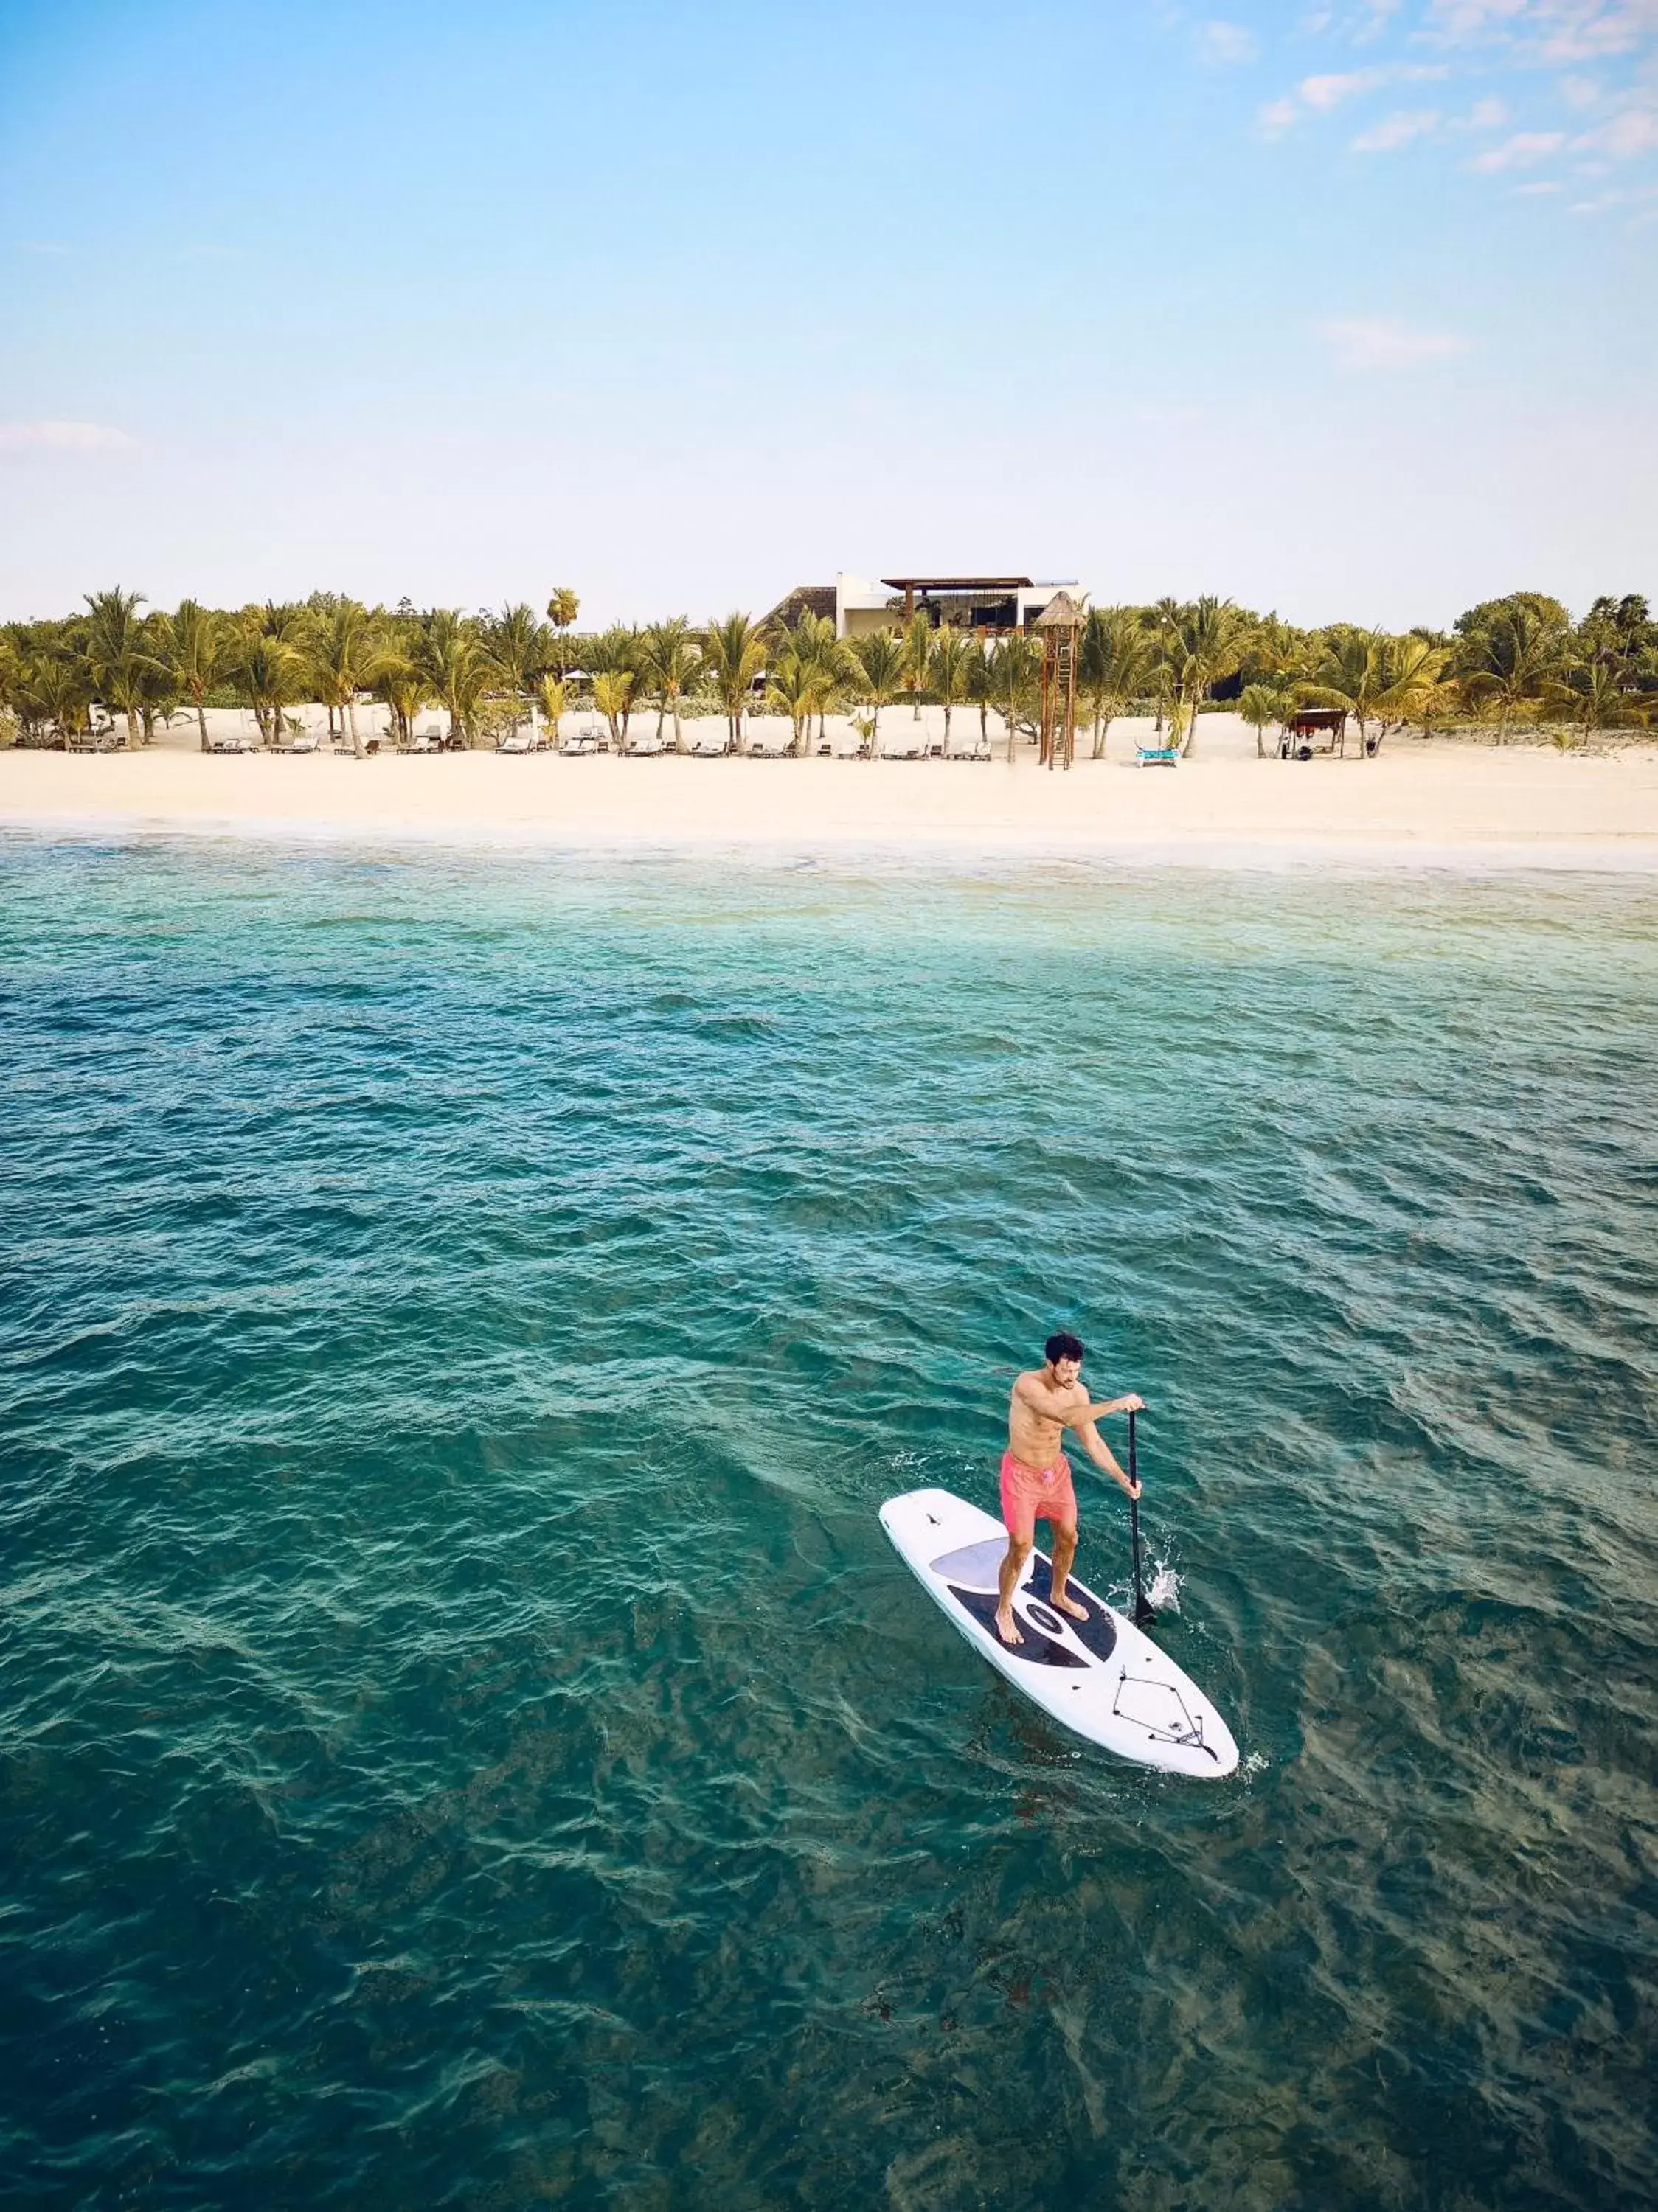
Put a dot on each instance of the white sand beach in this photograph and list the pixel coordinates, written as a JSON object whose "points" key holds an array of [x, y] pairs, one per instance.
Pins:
{"points": [[1513, 806]]}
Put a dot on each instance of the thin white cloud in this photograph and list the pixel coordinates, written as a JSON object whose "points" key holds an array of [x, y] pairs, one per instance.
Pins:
{"points": [[1225, 45], [1537, 188], [1523, 151], [1321, 94], [59, 437], [1277, 117], [1547, 30], [1396, 130], [1626, 136], [1313, 95], [1375, 19], [1488, 114], [1377, 343]]}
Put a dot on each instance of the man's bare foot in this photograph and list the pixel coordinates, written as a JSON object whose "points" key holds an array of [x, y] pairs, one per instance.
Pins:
{"points": [[1069, 1605], [1004, 1627]]}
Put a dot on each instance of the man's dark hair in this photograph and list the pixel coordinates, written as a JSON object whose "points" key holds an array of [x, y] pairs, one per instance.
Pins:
{"points": [[1062, 1345]]}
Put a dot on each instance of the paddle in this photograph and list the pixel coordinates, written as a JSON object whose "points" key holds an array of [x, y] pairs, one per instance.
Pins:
{"points": [[1144, 1611]]}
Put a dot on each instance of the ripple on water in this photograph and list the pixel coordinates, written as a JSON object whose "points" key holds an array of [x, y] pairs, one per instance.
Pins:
{"points": [[466, 1739]]}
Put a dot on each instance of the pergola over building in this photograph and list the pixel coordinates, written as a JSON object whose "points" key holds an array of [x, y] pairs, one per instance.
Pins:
{"points": [[975, 603]]}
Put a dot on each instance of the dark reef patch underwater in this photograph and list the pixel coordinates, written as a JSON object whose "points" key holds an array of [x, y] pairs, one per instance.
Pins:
{"points": [[464, 1739]]}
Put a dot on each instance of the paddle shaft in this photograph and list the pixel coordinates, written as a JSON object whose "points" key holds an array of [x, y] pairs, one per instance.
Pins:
{"points": [[1143, 1609]]}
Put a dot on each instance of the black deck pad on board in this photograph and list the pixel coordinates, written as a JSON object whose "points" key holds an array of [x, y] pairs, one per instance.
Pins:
{"points": [[1098, 1632], [1038, 1650]]}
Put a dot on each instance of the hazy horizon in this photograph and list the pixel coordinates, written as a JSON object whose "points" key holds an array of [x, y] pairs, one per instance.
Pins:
{"points": [[1348, 314]]}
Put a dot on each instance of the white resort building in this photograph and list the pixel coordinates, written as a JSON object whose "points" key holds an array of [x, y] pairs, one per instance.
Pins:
{"points": [[993, 604]]}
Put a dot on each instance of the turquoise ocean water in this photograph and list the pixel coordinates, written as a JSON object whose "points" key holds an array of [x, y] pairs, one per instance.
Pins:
{"points": [[464, 1739]]}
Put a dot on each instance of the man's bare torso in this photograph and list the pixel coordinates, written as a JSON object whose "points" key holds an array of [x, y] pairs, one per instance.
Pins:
{"points": [[1032, 1438]]}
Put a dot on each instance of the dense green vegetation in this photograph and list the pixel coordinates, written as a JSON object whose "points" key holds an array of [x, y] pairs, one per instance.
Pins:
{"points": [[1509, 664]]}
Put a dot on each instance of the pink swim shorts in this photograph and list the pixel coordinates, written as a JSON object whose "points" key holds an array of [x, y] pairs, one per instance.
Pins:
{"points": [[1030, 1493]]}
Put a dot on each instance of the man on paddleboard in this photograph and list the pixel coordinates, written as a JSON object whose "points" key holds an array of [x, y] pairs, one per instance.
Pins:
{"points": [[1036, 1474]]}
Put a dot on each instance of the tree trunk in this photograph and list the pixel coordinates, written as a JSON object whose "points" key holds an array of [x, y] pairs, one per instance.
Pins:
{"points": [[679, 735], [131, 728], [201, 722], [350, 718]]}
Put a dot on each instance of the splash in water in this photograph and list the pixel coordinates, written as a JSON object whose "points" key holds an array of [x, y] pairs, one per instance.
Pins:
{"points": [[1164, 1590]]}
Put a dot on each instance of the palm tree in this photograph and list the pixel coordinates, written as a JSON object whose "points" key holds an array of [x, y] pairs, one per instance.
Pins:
{"points": [[156, 688], [1373, 677], [58, 689], [400, 679], [1346, 672], [562, 610], [917, 659], [552, 703], [1276, 653], [195, 642], [116, 651], [1015, 661], [344, 653], [1260, 705], [733, 653], [456, 667], [1411, 668], [270, 674], [669, 664], [880, 664], [521, 648], [815, 641], [286, 619], [613, 694], [1595, 698], [1161, 620], [1512, 660], [797, 688], [1117, 665], [1206, 642], [955, 652]]}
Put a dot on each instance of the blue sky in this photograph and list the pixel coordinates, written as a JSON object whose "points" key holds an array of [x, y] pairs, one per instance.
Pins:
{"points": [[1344, 310]]}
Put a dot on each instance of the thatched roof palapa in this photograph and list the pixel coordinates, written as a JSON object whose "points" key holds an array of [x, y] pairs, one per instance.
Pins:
{"points": [[1061, 612]]}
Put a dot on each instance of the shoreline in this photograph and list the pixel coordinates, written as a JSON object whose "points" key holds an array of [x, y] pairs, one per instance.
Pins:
{"points": [[1424, 806]]}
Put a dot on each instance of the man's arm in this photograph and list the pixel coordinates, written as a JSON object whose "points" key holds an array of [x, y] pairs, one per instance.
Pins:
{"points": [[1070, 1412], [1101, 1453]]}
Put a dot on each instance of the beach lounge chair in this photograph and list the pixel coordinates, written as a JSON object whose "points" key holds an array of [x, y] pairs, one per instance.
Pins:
{"points": [[1156, 756], [974, 748], [646, 745], [767, 740], [517, 741], [709, 743]]}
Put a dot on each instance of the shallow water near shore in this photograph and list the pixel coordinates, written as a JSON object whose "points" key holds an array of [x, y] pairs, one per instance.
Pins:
{"points": [[464, 1740]]}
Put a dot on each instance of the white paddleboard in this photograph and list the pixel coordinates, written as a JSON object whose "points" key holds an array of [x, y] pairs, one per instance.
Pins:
{"points": [[1100, 1677]]}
